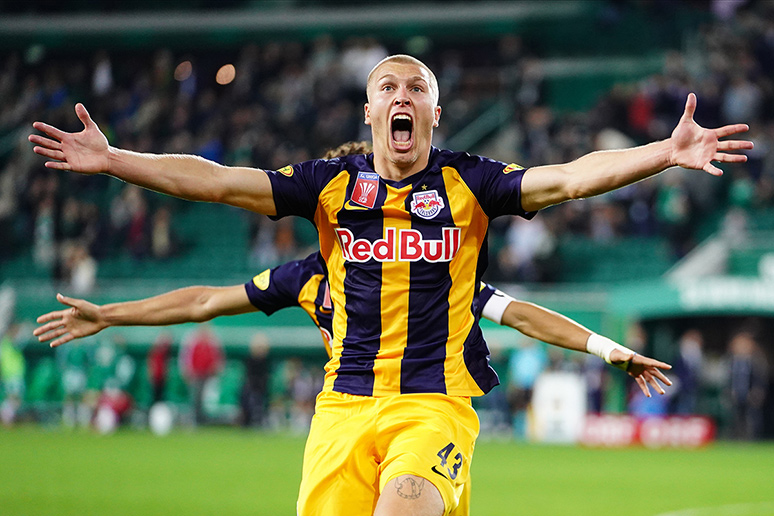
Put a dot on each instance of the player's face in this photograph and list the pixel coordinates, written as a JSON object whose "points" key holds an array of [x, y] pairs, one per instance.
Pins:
{"points": [[402, 111]]}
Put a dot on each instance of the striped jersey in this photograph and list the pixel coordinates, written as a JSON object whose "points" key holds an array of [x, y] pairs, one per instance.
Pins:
{"points": [[304, 284], [404, 259], [300, 283]]}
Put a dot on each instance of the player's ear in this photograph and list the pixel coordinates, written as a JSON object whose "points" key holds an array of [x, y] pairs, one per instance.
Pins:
{"points": [[437, 118], [367, 112]]}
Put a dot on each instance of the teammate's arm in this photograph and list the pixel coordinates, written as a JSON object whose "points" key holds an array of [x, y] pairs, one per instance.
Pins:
{"points": [[185, 176], [553, 328], [689, 146], [190, 304]]}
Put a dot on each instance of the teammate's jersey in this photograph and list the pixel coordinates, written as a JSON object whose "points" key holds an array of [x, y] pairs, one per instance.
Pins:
{"points": [[303, 283], [405, 259], [300, 283]]}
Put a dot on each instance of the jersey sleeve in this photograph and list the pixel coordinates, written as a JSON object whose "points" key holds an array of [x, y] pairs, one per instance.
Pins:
{"points": [[493, 303], [282, 286], [296, 188], [275, 289], [497, 186]]}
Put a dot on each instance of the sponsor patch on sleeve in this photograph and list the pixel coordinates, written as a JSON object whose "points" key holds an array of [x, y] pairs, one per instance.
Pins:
{"points": [[510, 168], [262, 280], [286, 171]]}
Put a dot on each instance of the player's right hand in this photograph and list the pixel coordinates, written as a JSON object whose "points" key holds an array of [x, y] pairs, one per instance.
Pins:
{"points": [[81, 319], [85, 152]]}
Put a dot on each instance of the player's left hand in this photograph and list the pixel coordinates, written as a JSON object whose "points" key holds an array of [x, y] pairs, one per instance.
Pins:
{"points": [[644, 370], [695, 147]]}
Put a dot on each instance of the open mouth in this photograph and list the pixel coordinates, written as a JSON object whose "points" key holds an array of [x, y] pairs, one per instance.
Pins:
{"points": [[402, 131]]}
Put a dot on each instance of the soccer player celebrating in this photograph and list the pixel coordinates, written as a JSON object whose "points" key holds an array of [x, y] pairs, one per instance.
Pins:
{"points": [[303, 283], [403, 234]]}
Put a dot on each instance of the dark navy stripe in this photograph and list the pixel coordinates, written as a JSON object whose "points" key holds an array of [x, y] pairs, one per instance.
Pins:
{"points": [[422, 367]]}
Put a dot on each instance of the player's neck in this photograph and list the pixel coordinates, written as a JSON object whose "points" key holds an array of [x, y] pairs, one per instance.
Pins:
{"points": [[398, 169]]}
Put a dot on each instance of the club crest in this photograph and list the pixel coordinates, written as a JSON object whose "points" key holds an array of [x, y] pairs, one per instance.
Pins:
{"points": [[366, 188], [427, 204]]}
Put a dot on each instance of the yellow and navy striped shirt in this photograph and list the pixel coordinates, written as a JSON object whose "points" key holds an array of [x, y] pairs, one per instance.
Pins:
{"points": [[300, 283], [404, 259]]}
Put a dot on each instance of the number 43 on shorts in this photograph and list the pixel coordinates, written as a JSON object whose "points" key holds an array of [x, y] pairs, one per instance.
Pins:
{"points": [[453, 467]]}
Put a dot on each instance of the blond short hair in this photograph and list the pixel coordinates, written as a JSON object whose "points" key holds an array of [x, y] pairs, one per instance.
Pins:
{"points": [[405, 59]]}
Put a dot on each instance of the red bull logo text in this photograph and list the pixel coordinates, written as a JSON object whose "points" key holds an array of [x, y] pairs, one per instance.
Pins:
{"points": [[408, 245]]}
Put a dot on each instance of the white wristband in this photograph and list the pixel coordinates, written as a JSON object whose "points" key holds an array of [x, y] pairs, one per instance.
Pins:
{"points": [[602, 347]]}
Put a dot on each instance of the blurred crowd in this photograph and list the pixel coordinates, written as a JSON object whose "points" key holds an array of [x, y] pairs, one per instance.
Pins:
{"points": [[728, 65], [724, 376], [290, 101], [195, 381]]}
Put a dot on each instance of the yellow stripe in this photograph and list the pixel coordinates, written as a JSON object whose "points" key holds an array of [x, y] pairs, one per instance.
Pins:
{"points": [[306, 300], [308, 295], [330, 202], [473, 222], [394, 299]]}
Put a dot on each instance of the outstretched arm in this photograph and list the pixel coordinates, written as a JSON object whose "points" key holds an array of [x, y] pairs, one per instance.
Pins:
{"points": [[689, 146], [185, 176], [553, 328], [191, 304]]}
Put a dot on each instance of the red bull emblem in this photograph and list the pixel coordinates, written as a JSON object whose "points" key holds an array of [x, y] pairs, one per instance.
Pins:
{"points": [[366, 188], [427, 204]]}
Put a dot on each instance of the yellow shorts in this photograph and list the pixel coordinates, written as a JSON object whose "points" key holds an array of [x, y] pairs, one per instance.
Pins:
{"points": [[357, 444]]}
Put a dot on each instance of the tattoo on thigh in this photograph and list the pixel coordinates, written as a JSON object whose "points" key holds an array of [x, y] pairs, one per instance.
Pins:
{"points": [[409, 488]]}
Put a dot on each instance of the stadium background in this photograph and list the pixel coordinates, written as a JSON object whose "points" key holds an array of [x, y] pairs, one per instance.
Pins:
{"points": [[526, 82]]}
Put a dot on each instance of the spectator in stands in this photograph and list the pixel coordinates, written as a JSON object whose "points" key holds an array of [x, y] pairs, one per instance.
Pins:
{"points": [[640, 406], [687, 368], [12, 369], [112, 408], [79, 268], [255, 391], [748, 385], [305, 385], [74, 369], [674, 211], [163, 240], [44, 239], [529, 246], [201, 358], [138, 231], [158, 365], [525, 365]]}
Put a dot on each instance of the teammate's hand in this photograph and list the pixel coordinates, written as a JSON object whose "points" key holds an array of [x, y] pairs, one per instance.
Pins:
{"points": [[696, 147], [644, 370], [85, 152], [81, 319]]}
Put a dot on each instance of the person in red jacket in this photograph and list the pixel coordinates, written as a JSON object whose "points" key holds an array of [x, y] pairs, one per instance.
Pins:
{"points": [[201, 358]]}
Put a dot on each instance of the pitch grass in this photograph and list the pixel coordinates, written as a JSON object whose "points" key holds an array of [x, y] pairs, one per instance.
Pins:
{"points": [[230, 471]]}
